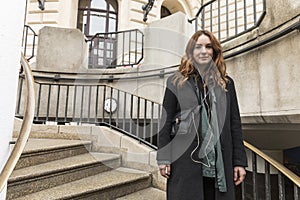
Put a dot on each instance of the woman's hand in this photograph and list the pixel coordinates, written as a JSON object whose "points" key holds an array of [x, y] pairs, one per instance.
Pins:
{"points": [[165, 170], [239, 175]]}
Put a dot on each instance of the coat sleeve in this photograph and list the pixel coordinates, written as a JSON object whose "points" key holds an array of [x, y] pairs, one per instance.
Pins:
{"points": [[239, 154], [169, 110]]}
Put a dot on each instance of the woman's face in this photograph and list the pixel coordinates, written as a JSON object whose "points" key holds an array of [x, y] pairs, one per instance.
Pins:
{"points": [[203, 51]]}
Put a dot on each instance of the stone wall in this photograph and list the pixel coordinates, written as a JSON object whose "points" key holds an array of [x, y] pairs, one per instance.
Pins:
{"points": [[266, 77]]}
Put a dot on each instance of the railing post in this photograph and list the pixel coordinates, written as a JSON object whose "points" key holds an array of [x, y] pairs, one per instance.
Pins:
{"points": [[151, 123], [89, 104], [219, 20], [129, 47], [96, 104], [138, 117], [236, 17], [281, 186], [254, 176], [103, 100], [123, 47], [110, 106], [135, 52], [57, 103], [74, 103], [124, 111], [67, 103], [245, 16], [131, 114], [118, 100], [296, 192], [145, 118], [227, 19], [48, 102], [267, 181], [38, 103], [19, 95], [81, 103]]}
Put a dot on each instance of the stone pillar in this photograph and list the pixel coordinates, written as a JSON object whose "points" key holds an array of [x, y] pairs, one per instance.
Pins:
{"points": [[61, 50], [10, 40]]}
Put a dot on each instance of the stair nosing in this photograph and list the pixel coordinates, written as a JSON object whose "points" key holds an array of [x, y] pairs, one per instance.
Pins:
{"points": [[27, 153], [81, 192], [57, 171]]}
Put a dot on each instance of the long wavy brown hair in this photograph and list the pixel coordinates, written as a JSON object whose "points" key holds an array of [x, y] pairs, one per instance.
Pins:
{"points": [[188, 69]]}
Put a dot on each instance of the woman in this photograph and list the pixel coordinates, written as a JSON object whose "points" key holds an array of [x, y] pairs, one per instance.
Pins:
{"points": [[201, 151]]}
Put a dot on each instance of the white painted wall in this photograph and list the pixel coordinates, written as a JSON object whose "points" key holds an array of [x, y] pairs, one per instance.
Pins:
{"points": [[10, 40]]}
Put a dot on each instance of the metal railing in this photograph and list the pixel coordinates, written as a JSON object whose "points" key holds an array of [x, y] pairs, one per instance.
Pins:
{"points": [[282, 184], [29, 42], [116, 49], [92, 103], [228, 19], [25, 128]]}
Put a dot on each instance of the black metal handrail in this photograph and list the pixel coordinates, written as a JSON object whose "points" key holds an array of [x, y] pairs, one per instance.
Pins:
{"points": [[234, 24], [29, 42], [116, 49], [92, 103], [198, 13]]}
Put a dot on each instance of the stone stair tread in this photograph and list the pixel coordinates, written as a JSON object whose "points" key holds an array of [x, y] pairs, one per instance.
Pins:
{"points": [[146, 194], [90, 184], [37, 145], [61, 165]]}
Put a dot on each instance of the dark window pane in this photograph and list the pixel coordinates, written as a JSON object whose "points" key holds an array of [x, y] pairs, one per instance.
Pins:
{"points": [[164, 12], [83, 4]]}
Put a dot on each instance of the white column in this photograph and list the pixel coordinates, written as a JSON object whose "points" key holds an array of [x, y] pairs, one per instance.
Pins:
{"points": [[11, 22]]}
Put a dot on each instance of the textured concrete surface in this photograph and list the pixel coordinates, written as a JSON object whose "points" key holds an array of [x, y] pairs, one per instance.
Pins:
{"points": [[146, 194], [37, 145], [61, 43], [46, 163], [39, 151], [105, 185]]}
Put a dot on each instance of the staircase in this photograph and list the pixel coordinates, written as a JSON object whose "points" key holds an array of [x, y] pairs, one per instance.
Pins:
{"points": [[66, 169]]}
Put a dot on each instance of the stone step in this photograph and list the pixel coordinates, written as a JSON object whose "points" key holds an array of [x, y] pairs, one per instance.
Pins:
{"points": [[43, 176], [106, 185], [146, 194], [39, 151]]}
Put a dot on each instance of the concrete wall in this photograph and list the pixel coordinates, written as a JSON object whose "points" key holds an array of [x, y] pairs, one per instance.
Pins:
{"points": [[266, 78], [10, 39], [267, 82]]}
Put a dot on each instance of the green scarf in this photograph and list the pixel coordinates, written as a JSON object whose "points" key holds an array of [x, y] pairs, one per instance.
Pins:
{"points": [[210, 134]]}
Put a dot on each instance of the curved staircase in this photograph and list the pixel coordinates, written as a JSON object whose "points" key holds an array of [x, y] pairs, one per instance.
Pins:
{"points": [[67, 169]]}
